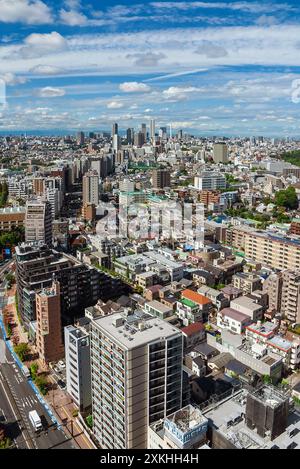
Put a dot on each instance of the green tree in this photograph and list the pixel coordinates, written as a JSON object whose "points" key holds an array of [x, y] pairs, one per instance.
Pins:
{"points": [[22, 350], [89, 421], [34, 370], [42, 384], [287, 198]]}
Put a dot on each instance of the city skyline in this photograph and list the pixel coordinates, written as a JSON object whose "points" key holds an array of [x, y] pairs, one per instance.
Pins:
{"points": [[77, 66]]}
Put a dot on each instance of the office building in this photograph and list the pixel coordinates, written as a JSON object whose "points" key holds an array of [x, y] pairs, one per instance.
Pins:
{"points": [[80, 138], [139, 139], [38, 222], [49, 341], [210, 181], [161, 178], [78, 365], [130, 136], [91, 188], [152, 131], [220, 153], [115, 129], [136, 362], [144, 131]]}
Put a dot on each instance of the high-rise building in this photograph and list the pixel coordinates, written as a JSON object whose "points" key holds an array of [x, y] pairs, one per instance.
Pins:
{"points": [[136, 369], [161, 178], [116, 143], [78, 364], [90, 188], [144, 131], [139, 139], [220, 153], [38, 221], [80, 285], [152, 131], [163, 133], [49, 330], [115, 129], [130, 136], [80, 138]]}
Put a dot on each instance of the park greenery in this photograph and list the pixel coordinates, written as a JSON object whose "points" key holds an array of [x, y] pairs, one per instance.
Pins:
{"points": [[287, 198], [292, 157]]}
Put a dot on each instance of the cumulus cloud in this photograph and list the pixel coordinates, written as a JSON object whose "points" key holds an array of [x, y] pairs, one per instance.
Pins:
{"points": [[36, 45], [73, 18], [211, 50], [134, 87], [50, 92], [25, 11], [114, 105], [179, 93]]}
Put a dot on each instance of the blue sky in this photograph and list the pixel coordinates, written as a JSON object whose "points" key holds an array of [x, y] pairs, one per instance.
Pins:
{"points": [[207, 67]]}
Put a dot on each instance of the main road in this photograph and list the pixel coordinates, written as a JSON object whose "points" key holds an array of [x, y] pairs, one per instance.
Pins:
{"points": [[17, 399]]}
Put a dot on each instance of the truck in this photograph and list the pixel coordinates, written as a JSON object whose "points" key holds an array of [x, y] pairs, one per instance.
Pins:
{"points": [[35, 421], [26, 372]]}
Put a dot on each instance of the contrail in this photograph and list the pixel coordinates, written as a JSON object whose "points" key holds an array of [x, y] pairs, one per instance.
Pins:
{"points": [[178, 74]]}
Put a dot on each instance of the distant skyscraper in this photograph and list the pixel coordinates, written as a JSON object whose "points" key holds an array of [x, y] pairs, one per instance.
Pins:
{"points": [[91, 188], [163, 133], [38, 221], [220, 153], [152, 131], [144, 131], [115, 129], [130, 136], [136, 363], [116, 142], [139, 139], [80, 138], [49, 329]]}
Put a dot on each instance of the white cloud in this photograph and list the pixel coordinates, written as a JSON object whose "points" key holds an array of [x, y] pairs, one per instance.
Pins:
{"points": [[11, 79], [73, 18], [52, 40], [25, 11], [211, 50], [177, 93], [115, 105], [134, 87], [147, 59], [50, 92], [46, 70]]}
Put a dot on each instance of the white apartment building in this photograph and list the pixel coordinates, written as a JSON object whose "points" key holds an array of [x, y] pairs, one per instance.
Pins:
{"points": [[136, 369], [209, 180], [78, 366]]}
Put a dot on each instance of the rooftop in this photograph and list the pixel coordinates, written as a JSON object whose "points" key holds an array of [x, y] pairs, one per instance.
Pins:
{"points": [[195, 297], [135, 329]]}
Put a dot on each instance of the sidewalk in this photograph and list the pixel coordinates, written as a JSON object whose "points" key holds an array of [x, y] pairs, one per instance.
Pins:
{"points": [[10, 309], [64, 407]]}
